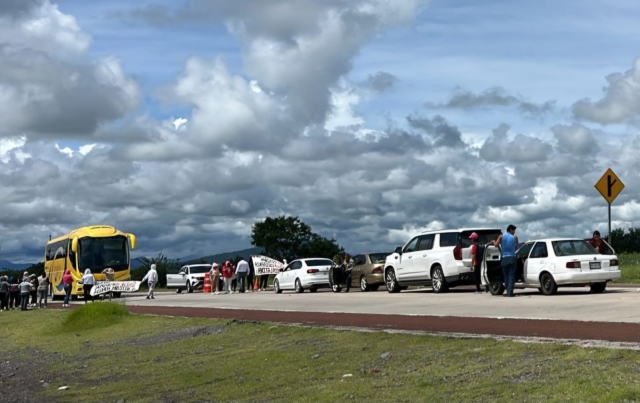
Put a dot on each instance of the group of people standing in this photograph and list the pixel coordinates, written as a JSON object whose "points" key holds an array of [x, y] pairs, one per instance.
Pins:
{"points": [[16, 291], [232, 277]]}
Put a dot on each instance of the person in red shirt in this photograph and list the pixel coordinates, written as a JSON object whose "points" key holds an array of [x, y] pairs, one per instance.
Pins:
{"points": [[597, 243], [477, 252], [227, 274]]}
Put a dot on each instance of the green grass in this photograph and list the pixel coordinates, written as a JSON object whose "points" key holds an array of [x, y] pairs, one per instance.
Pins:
{"points": [[94, 315], [136, 358], [630, 268]]}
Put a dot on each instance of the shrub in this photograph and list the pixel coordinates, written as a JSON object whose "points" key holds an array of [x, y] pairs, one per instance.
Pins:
{"points": [[95, 315]]}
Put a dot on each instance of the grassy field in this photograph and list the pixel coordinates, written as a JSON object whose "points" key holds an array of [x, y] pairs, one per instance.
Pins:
{"points": [[630, 268], [104, 354]]}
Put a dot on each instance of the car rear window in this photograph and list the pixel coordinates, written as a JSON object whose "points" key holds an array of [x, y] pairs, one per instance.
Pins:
{"points": [[318, 262], [484, 237], [573, 248], [378, 257]]}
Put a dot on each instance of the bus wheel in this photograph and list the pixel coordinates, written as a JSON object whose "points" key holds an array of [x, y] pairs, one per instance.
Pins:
{"points": [[74, 297]]}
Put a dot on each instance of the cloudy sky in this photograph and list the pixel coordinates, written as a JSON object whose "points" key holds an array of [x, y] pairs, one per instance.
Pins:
{"points": [[185, 121]]}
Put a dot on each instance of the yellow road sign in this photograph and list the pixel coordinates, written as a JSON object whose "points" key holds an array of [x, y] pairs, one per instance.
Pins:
{"points": [[609, 186]]}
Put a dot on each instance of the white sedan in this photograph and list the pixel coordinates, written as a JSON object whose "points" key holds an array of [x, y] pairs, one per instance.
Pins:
{"points": [[303, 274], [551, 263]]}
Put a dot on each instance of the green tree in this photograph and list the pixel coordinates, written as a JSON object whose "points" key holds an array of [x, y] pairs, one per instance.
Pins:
{"points": [[319, 246], [163, 264], [619, 240], [37, 269], [289, 238]]}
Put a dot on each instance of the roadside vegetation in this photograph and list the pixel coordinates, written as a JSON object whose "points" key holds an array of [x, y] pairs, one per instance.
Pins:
{"points": [[630, 268], [103, 354]]}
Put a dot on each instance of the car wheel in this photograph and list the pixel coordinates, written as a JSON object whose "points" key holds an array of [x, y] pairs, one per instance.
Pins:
{"points": [[598, 288], [334, 286], [438, 282], [179, 291], [374, 287], [496, 288], [276, 287], [313, 289], [364, 286], [299, 288], [549, 286], [189, 288], [391, 282]]}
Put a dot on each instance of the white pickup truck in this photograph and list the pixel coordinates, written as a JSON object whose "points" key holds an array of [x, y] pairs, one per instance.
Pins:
{"points": [[190, 277]]}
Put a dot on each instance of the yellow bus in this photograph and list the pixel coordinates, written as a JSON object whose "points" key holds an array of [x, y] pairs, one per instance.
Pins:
{"points": [[96, 248]]}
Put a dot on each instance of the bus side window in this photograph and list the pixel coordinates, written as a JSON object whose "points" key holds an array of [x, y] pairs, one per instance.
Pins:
{"points": [[72, 255]]}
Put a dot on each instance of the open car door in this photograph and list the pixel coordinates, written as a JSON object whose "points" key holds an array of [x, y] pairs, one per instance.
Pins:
{"points": [[491, 270]]}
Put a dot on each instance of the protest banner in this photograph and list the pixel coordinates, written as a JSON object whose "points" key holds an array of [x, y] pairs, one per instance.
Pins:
{"points": [[265, 265], [103, 287]]}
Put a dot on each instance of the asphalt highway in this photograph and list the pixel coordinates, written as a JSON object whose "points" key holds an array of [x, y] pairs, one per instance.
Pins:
{"points": [[572, 314]]}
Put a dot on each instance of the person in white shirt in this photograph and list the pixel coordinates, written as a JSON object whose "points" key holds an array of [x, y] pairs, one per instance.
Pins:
{"points": [[242, 271], [152, 278], [88, 281]]}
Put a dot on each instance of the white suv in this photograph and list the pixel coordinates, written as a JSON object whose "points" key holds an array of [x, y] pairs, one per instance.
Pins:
{"points": [[441, 259]]}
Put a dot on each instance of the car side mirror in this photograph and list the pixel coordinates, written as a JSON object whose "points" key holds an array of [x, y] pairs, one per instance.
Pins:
{"points": [[399, 250], [182, 272]]}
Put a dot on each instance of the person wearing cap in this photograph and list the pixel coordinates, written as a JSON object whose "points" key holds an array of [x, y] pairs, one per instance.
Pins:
{"points": [[477, 254], [507, 243]]}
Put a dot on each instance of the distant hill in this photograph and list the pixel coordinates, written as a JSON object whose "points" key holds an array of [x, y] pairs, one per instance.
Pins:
{"points": [[5, 264], [223, 257]]}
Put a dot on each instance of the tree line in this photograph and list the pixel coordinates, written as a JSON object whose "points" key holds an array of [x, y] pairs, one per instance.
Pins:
{"points": [[625, 241], [279, 238]]}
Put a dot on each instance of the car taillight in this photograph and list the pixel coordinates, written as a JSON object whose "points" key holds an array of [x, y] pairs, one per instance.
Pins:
{"points": [[310, 271], [574, 265], [457, 253], [613, 262], [377, 270]]}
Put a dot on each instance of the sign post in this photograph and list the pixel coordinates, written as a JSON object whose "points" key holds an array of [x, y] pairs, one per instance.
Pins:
{"points": [[609, 187]]}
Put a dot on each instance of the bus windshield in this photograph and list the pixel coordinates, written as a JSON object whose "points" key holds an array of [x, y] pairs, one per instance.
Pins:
{"points": [[98, 254]]}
